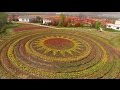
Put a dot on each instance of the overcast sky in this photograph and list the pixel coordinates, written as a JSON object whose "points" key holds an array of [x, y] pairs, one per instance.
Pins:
{"points": [[111, 14]]}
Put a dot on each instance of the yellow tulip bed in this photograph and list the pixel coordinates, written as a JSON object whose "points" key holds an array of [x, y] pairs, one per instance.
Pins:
{"points": [[59, 54]]}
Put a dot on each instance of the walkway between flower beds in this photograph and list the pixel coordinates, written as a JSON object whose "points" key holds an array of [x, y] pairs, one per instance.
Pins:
{"points": [[48, 26]]}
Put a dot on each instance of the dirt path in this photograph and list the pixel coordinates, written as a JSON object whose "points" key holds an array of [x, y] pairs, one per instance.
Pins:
{"points": [[45, 26]]}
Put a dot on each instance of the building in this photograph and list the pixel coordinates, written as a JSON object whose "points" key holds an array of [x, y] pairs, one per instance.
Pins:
{"points": [[12, 18], [115, 26], [117, 22], [47, 20], [25, 18], [29, 18]]}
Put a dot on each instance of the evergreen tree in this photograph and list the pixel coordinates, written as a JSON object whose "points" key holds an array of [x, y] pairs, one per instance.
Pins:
{"points": [[62, 19], [97, 25]]}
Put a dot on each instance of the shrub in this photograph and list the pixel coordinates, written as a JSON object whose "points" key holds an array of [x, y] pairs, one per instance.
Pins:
{"points": [[61, 21], [69, 25], [77, 24], [54, 22]]}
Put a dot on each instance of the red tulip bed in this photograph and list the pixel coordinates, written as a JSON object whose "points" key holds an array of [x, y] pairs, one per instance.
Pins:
{"points": [[28, 27], [58, 43], [59, 54]]}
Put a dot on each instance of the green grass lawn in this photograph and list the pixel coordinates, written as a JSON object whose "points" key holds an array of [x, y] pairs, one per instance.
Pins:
{"points": [[86, 27], [9, 29], [116, 41], [110, 30]]}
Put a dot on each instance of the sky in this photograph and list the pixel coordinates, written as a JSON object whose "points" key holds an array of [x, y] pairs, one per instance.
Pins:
{"points": [[107, 14]]}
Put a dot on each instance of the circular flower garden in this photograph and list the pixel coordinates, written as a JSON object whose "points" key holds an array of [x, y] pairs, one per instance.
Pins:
{"points": [[59, 54]]}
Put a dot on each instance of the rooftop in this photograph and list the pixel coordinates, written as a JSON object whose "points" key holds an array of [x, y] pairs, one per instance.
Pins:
{"points": [[27, 16]]}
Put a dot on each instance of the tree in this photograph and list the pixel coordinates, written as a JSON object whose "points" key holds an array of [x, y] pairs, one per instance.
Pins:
{"points": [[62, 18], [33, 20], [54, 22], [93, 24], [81, 24], [69, 25], [39, 19], [14, 17], [3, 22], [66, 22], [77, 24], [3, 19], [97, 25]]}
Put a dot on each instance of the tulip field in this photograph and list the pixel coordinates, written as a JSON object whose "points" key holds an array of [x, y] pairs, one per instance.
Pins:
{"points": [[58, 54], [23, 27]]}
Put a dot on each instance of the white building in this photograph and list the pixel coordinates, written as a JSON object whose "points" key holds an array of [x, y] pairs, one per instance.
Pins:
{"points": [[46, 20], [117, 22], [25, 18], [28, 18], [115, 26]]}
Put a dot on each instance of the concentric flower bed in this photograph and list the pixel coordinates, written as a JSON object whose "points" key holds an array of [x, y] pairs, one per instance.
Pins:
{"points": [[59, 54], [28, 27]]}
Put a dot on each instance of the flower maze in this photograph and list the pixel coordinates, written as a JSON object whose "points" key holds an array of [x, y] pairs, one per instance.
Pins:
{"points": [[59, 54]]}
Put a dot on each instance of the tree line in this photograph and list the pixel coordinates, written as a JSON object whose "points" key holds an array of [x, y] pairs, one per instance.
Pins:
{"points": [[3, 22], [65, 22]]}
